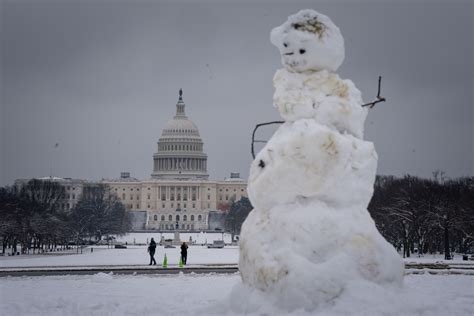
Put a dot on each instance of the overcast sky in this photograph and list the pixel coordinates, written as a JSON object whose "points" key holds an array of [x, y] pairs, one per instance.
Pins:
{"points": [[101, 78]]}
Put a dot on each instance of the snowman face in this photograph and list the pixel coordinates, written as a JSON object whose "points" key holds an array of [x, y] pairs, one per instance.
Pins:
{"points": [[297, 50], [309, 41]]}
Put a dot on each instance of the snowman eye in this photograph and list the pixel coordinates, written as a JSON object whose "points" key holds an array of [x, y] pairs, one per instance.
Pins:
{"points": [[261, 164], [285, 44], [302, 51]]}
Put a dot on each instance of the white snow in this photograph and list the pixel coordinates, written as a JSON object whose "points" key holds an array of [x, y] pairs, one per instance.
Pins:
{"points": [[306, 254], [309, 41], [196, 238], [310, 238], [305, 160], [322, 96], [106, 294], [133, 255], [137, 255]]}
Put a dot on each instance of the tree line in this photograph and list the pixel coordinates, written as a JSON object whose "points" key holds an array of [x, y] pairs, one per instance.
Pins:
{"points": [[32, 217], [425, 215]]}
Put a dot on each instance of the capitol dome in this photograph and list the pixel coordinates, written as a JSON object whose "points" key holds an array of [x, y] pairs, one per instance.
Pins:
{"points": [[180, 149]]}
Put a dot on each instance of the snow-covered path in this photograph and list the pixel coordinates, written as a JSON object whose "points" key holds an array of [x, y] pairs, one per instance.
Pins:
{"points": [[104, 294]]}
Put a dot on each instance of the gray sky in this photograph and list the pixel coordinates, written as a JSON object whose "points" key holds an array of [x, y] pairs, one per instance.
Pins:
{"points": [[101, 79]]}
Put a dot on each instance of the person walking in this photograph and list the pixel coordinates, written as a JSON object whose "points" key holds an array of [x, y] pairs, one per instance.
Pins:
{"points": [[151, 251], [184, 252]]}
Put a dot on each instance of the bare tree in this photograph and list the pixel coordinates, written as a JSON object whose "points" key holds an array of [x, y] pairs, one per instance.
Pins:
{"points": [[430, 214], [237, 214], [99, 212]]}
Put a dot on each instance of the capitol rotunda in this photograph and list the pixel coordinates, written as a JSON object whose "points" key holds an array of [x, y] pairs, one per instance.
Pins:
{"points": [[180, 149]]}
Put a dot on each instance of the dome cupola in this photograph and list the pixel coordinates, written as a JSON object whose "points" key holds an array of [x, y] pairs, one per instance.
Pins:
{"points": [[180, 149]]}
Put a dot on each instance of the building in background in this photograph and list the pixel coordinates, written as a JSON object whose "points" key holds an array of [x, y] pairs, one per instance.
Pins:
{"points": [[179, 194]]}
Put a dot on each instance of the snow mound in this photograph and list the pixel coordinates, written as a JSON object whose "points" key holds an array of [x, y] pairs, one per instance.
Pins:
{"points": [[102, 277], [309, 40]]}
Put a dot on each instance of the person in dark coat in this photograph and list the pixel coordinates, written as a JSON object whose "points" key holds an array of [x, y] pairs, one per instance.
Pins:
{"points": [[184, 252], [151, 251]]}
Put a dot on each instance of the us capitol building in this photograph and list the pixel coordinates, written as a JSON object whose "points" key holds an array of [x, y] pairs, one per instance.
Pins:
{"points": [[179, 194]]}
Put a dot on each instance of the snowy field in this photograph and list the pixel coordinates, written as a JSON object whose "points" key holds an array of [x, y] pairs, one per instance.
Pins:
{"points": [[105, 294], [133, 255], [198, 253], [137, 255], [192, 238], [108, 294]]}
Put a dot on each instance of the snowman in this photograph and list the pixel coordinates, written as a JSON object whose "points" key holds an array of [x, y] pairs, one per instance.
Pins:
{"points": [[310, 236]]}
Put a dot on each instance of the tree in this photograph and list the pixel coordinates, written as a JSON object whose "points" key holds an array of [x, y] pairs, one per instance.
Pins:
{"points": [[99, 212], [237, 214], [431, 214], [453, 212], [465, 225], [46, 218], [384, 188], [11, 216], [30, 214]]}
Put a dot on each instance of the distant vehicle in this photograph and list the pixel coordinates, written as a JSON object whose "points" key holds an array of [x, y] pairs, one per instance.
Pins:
{"points": [[106, 241], [168, 243], [119, 246], [217, 244]]}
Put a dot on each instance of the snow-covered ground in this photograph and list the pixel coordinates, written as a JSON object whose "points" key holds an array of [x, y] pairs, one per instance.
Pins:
{"points": [[131, 256], [197, 238], [105, 294], [137, 255]]}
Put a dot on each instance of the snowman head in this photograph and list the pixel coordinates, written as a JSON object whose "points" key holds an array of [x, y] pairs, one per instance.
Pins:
{"points": [[309, 41]]}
